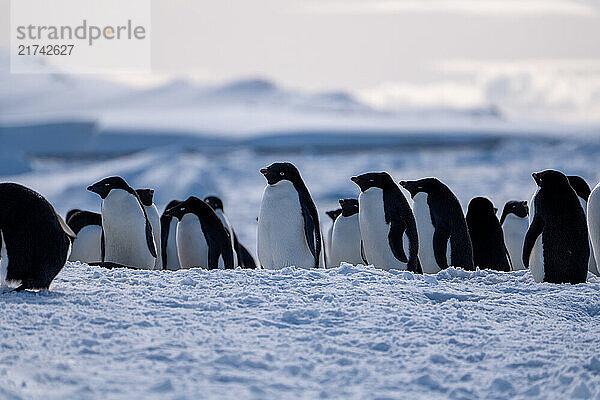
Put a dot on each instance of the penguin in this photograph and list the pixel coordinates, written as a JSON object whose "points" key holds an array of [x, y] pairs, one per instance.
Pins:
{"points": [[87, 226], [560, 226], [202, 239], [346, 239], [487, 238], [127, 237], [442, 226], [35, 240], [168, 242], [332, 214], [147, 199], [288, 224], [514, 221], [387, 224], [583, 193], [70, 213], [241, 256], [593, 220]]}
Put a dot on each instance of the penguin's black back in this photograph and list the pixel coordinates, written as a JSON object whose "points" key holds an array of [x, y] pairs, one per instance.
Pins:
{"points": [[487, 238], [36, 238], [81, 219]]}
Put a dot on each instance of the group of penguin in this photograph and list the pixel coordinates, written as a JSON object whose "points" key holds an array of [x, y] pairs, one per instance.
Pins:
{"points": [[380, 228]]}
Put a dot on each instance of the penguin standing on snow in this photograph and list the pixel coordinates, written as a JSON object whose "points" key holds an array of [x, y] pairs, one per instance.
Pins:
{"points": [[583, 192], [147, 199], [127, 238], [168, 239], [387, 224], [346, 239], [288, 224], [202, 240], [442, 227], [332, 214], [87, 226], [34, 238], [242, 256], [560, 226], [489, 250], [515, 223]]}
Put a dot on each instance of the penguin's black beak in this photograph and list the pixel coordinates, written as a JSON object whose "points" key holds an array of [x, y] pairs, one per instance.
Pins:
{"points": [[537, 178], [341, 203], [354, 179], [264, 171], [402, 183]]}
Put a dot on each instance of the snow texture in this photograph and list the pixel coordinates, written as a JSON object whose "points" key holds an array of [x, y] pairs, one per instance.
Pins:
{"points": [[349, 332]]}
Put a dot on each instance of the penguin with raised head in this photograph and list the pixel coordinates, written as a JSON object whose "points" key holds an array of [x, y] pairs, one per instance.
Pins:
{"points": [[202, 239], [147, 199], [387, 224], [288, 224], [559, 225], [583, 193], [168, 239], [346, 239], [127, 237], [514, 221], [487, 238], [87, 225], [332, 214], [34, 238], [444, 237]]}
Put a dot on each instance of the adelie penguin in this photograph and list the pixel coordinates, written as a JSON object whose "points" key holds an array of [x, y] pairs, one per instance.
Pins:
{"points": [[346, 239], [583, 193], [87, 226], [515, 222], [127, 238], [489, 250], [560, 230], [387, 224], [147, 199], [332, 214], [202, 240], [34, 238], [241, 255], [168, 238], [288, 223], [443, 234]]}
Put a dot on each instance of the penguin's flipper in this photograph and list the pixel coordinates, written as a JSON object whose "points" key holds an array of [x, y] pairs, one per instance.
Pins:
{"points": [[440, 245], [535, 230], [165, 222], [102, 246], [312, 230], [68, 231], [246, 257], [362, 252], [150, 239], [395, 239]]}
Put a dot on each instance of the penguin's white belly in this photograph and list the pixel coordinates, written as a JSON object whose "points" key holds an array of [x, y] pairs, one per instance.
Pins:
{"points": [[3, 261], [125, 231], [536, 260], [374, 231], [86, 247], [328, 242], [229, 228], [154, 218], [592, 267], [171, 248], [425, 230], [345, 241], [281, 240], [191, 243], [593, 221], [515, 229]]}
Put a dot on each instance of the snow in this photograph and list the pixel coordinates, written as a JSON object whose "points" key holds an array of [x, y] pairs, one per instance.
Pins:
{"points": [[348, 332]]}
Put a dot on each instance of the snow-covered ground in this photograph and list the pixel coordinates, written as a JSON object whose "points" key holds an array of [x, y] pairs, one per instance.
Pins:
{"points": [[350, 332]]}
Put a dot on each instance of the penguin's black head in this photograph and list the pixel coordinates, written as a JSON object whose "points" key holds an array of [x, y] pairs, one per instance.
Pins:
{"points": [[333, 214], [480, 206], [146, 196], [104, 187], [70, 214], [367, 181], [191, 205], [425, 185], [277, 172], [349, 207], [550, 179], [171, 204], [519, 208], [580, 186], [214, 202]]}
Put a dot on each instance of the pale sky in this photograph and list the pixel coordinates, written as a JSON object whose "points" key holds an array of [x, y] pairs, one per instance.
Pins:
{"points": [[463, 53]]}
